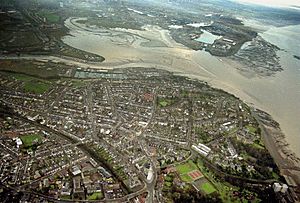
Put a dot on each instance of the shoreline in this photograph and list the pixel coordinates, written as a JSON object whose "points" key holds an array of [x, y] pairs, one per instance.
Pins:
{"points": [[176, 58], [274, 141], [217, 71], [272, 135]]}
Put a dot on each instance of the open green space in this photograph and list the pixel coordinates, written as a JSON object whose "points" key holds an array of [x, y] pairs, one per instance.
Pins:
{"points": [[115, 21], [186, 167], [29, 140], [22, 77], [208, 188], [258, 144], [80, 54], [164, 102], [275, 175], [95, 196], [32, 84], [186, 178], [225, 189], [47, 70], [50, 16], [255, 145], [251, 129], [37, 87]]}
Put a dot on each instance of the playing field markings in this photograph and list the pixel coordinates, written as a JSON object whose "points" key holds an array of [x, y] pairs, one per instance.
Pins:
{"points": [[195, 175]]}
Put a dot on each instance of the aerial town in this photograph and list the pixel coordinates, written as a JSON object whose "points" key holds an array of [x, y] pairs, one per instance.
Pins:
{"points": [[76, 126], [130, 135]]}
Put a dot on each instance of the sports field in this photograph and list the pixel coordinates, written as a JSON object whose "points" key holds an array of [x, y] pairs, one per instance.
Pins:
{"points": [[29, 140], [208, 188], [188, 172], [32, 84], [196, 174]]}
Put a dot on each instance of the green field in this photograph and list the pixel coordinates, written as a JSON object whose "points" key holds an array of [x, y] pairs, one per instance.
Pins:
{"points": [[29, 140], [32, 84], [251, 129], [112, 22], [275, 175], [225, 189], [186, 178], [184, 169], [22, 77], [26, 68], [163, 102], [208, 188], [95, 196], [51, 17], [255, 145], [36, 87], [222, 188]]}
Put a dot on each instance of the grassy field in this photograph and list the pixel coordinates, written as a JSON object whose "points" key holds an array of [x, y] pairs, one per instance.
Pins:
{"points": [[32, 84], [76, 53], [258, 144], [113, 22], [255, 145], [184, 170], [29, 140], [34, 69], [163, 102], [186, 178], [51, 17], [36, 87], [95, 196], [208, 188], [225, 189], [251, 129], [275, 175]]}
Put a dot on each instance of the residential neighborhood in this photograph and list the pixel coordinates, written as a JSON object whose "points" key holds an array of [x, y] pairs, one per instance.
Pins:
{"points": [[114, 137]]}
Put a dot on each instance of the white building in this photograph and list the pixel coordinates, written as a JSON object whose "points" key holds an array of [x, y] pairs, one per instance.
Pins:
{"points": [[284, 188], [203, 153], [277, 187], [75, 170], [19, 142], [201, 149], [150, 174]]}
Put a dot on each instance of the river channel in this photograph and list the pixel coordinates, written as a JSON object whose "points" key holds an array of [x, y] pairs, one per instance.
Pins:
{"points": [[278, 95]]}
